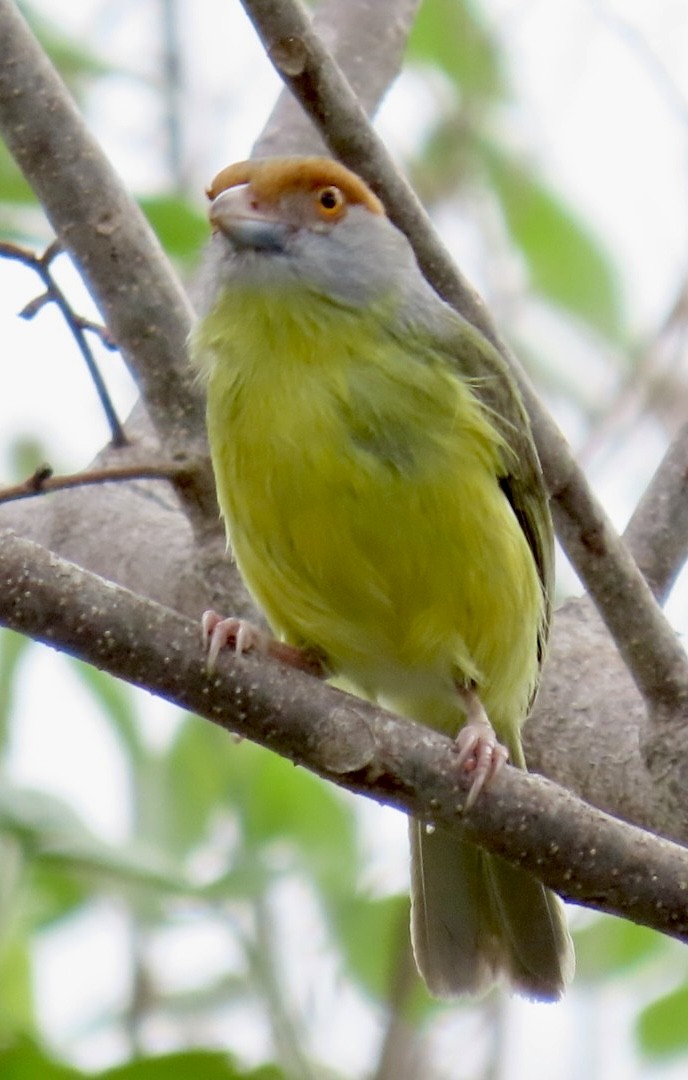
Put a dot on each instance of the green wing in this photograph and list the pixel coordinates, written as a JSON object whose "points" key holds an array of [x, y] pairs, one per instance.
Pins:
{"points": [[473, 358], [523, 483]]}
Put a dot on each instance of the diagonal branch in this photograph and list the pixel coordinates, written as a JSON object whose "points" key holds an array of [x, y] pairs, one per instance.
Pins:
{"points": [[368, 41], [588, 856], [657, 534], [650, 648]]}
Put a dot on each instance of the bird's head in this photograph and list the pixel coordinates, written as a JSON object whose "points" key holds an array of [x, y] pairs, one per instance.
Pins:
{"points": [[259, 204], [304, 221]]}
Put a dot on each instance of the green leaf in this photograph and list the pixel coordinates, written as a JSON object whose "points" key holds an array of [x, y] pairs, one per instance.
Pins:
{"points": [[116, 701], [661, 1027], [566, 264], [51, 832], [55, 892], [375, 941], [16, 985], [13, 187], [27, 453], [371, 932], [453, 36], [181, 228], [22, 1060], [198, 781], [73, 62], [189, 1065], [278, 801], [12, 648], [610, 946]]}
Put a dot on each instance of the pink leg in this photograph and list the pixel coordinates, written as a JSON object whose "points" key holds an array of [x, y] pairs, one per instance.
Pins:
{"points": [[479, 751], [243, 637]]}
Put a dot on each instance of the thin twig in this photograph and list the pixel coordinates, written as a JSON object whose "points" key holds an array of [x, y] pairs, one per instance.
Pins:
{"points": [[41, 265], [650, 649], [586, 855], [104, 230], [42, 481]]}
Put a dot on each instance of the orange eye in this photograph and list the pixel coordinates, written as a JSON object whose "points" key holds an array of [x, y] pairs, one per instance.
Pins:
{"points": [[330, 201]]}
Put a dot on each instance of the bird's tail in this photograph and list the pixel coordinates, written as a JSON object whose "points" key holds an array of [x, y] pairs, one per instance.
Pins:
{"points": [[475, 920]]}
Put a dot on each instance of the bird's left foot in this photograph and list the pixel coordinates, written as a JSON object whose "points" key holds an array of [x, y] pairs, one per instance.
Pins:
{"points": [[480, 754], [243, 637]]}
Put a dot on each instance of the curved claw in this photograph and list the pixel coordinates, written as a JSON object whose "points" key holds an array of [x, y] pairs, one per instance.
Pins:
{"points": [[238, 634], [243, 637], [479, 752]]}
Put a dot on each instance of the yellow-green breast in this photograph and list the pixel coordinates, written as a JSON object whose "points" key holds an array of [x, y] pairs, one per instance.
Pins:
{"points": [[358, 476]]}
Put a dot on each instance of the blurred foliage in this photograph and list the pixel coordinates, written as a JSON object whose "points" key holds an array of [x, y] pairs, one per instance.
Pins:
{"points": [[615, 945], [23, 1060], [79, 67], [454, 38], [77, 63], [565, 263], [466, 155], [181, 228], [662, 1029], [218, 829]]}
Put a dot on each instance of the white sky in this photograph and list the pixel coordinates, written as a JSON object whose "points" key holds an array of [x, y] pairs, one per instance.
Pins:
{"points": [[603, 110]]}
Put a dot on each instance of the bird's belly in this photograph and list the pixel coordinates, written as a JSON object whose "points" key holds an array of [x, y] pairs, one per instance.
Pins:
{"points": [[408, 582]]}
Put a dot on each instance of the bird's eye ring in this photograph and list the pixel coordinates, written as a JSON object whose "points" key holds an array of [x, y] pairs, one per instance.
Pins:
{"points": [[330, 201]]}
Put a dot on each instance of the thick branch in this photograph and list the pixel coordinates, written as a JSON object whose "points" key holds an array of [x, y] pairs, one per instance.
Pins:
{"points": [[646, 641], [589, 730], [134, 533], [588, 856]]}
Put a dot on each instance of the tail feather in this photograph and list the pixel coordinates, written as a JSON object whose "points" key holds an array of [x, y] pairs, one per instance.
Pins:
{"points": [[537, 951], [475, 919]]}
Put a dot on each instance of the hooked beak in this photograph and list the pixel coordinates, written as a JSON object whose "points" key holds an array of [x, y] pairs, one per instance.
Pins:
{"points": [[246, 228]]}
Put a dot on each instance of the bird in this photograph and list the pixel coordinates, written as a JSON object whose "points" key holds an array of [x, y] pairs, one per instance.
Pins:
{"points": [[385, 506]]}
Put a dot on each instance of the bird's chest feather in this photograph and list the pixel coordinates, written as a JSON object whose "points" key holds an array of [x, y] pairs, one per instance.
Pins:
{"points": [[313, 408], [280, 419], [359, 485]]}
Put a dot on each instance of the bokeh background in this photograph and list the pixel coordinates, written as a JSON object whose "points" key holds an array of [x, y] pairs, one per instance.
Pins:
{"points": [[175, 904]]}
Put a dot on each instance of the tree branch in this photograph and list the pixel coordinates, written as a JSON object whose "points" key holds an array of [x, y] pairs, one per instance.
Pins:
{"points": [[649, 646], [43, 481], [585, 729], [589, 857], [368, 42], [42, 265], [148, 312], [657, 534]]}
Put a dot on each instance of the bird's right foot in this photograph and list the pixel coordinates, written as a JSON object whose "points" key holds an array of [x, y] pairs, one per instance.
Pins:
{"points": [[243, 636]]}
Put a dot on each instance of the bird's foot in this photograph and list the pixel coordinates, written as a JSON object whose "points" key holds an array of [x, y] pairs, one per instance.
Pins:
{"points": [[237, 634], [480, 754], [242, 637]]}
